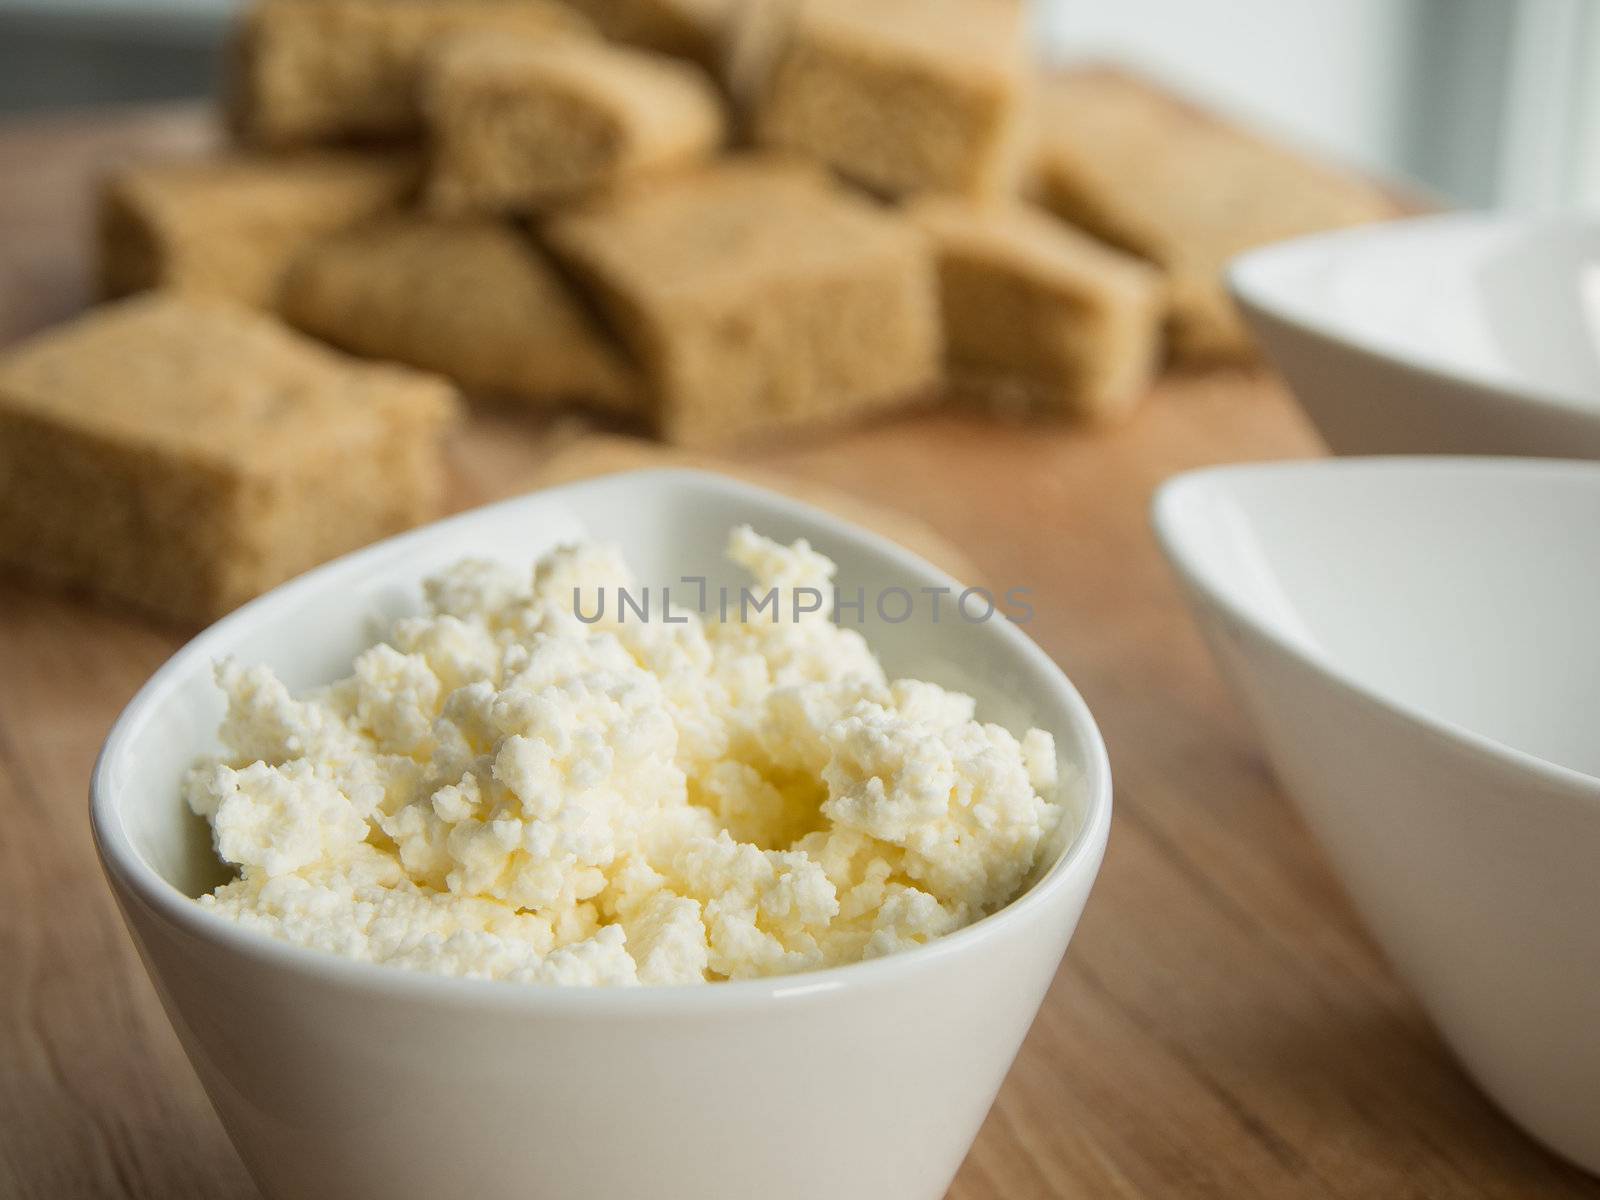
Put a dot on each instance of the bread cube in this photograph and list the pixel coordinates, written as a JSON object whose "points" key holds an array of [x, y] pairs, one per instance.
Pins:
{"points": [[758, 297], [229, 226], [181, 455], [900, 96], [686, 28], [1146, 172], [310, 71], [520, 124], [473, 299], [1039, 313]]}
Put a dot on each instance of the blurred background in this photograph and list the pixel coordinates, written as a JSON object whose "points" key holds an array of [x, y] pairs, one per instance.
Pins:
{"points": [[1486, 102]]}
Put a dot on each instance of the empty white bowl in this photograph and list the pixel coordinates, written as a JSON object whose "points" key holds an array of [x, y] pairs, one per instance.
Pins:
{"points": [[1418, 641], [338, 1078], [1457, 334]]}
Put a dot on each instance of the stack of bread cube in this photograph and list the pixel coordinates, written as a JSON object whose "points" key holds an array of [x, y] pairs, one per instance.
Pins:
{"points": [[719, 219]]}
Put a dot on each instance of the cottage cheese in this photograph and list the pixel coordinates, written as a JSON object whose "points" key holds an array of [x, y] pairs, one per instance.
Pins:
{"points": [[502, 790]]}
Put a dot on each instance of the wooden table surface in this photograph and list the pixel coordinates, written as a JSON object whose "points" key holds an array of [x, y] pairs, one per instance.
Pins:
{"points": [[1221, 1026]]}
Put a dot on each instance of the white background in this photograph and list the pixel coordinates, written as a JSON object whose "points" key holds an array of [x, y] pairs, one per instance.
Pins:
{"points": [[1487, 101]]}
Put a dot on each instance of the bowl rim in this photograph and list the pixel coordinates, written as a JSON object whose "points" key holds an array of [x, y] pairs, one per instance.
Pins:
{"points": [[1176, 494], [129, 871], [1261, 299]]}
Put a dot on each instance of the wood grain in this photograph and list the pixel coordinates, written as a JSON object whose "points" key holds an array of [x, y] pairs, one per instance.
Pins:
{"points": [[1221, 1026]]}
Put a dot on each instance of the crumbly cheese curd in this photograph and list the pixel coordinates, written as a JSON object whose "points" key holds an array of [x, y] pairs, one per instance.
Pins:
{"points": [[502, 790]]}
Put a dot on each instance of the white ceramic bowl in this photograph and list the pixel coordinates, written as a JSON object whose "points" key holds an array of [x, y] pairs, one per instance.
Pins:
{"points": [[1457, 334], [344, 1079], [1418, 641]]}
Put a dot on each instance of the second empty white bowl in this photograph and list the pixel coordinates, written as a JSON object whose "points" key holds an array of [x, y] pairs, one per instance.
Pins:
{"points": [[1455, 334], [1418, 641]]}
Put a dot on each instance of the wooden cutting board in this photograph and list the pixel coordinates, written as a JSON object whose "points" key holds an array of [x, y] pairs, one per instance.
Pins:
{"points": [[1221, 1026]]}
